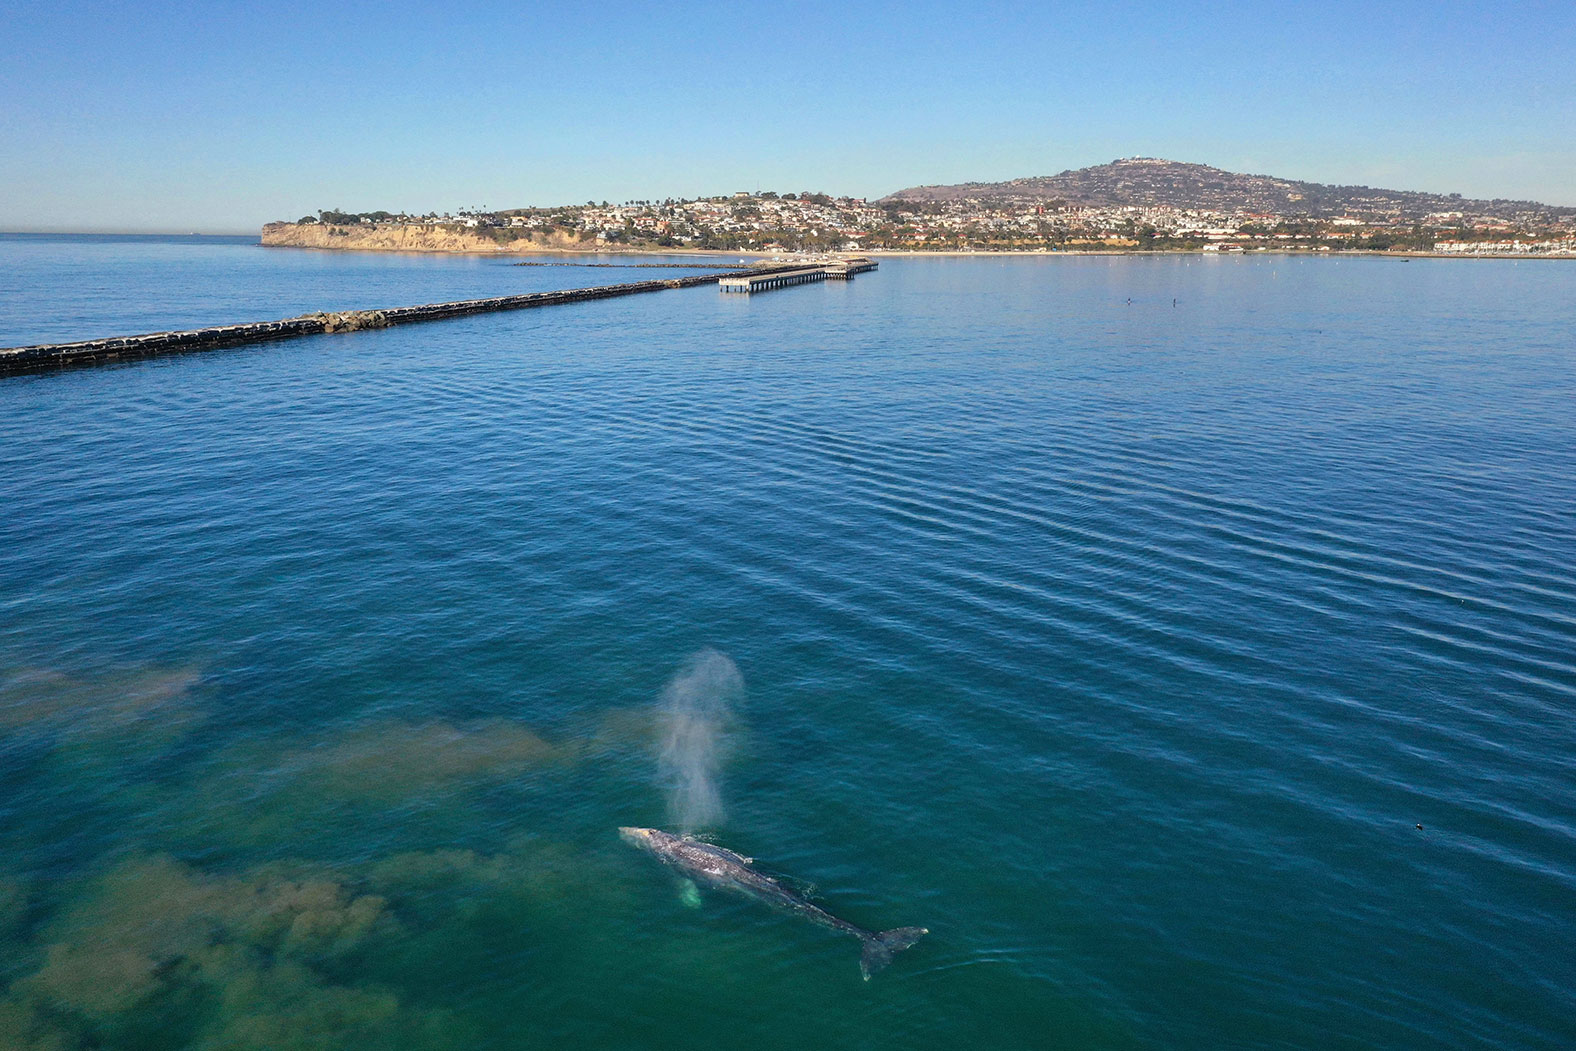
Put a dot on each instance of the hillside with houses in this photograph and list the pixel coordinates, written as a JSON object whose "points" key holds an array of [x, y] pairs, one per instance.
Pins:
{"points": [[1138, 204]]}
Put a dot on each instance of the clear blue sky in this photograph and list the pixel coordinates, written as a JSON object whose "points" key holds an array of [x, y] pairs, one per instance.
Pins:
{"points": [[218, 116]]}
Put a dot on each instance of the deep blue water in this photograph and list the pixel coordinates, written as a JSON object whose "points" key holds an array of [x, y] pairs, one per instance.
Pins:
{"points": [[1123, 645]]}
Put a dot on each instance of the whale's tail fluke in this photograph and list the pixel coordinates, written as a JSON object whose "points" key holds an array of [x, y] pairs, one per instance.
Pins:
{"points": [[879, 948]]}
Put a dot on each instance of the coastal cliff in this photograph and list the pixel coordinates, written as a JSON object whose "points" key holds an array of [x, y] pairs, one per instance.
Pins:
{"points": [[399, 237]]}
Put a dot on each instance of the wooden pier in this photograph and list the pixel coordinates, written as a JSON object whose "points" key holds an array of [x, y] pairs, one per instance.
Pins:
{"points": [[839, 270], [848, 268], [763, 282]]}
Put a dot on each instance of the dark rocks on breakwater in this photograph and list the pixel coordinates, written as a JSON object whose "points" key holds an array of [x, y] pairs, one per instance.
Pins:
{"points": [[97, 351]]}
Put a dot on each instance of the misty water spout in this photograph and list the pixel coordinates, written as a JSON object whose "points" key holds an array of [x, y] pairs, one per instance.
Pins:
{"points": [[697, 714]]}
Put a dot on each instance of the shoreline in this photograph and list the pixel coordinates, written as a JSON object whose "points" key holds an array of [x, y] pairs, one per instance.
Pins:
{"points": [[437, 241], [933, 253], [507, 253], [1341, 254]]}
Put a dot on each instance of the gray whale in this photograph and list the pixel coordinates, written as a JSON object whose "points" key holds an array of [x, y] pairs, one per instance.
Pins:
{"points": [[721, 868]]}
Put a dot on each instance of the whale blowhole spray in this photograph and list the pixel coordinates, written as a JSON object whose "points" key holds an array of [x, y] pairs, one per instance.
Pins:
{"points": [[697, 716]]}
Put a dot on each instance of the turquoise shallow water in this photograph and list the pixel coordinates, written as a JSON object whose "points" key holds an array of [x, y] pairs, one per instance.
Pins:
{"points": [[1121, 644]]}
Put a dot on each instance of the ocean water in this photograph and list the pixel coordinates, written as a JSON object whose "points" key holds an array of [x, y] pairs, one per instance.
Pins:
{"points": [[1117, 619]]}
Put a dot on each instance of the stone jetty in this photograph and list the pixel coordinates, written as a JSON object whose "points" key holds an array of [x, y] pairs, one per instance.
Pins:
{"points": [[98, 351]]}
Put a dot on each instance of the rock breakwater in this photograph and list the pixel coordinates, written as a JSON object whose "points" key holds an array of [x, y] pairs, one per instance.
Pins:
{"points": [[97, 351]]}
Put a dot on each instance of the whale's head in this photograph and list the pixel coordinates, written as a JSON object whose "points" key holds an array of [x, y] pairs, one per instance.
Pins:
{"points": [[645, 838], [660, 843]]}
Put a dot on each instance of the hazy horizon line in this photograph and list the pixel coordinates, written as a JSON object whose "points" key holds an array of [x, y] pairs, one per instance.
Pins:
{"points": [[131, 233]]}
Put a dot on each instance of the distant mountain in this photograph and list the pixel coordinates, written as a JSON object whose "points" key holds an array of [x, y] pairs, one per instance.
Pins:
{"points": [[1150, 182]]}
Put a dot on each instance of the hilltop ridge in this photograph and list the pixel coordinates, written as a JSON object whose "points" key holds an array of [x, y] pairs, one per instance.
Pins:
{"points": [[1152, 182]]}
